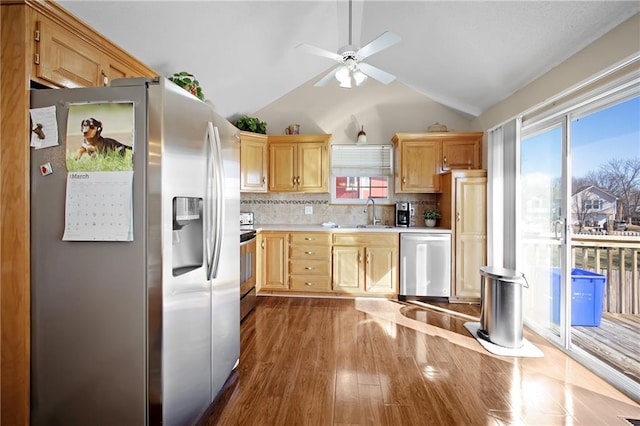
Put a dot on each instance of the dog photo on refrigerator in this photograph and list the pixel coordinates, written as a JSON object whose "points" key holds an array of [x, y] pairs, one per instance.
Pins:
{"points": [[94, 143], [100, 137]]}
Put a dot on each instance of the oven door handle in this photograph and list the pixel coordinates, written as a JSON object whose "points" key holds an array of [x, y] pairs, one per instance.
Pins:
{"points": [[244, 243]]}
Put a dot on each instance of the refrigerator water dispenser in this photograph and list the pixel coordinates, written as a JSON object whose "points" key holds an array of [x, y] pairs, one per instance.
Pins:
{"points": [[187, 235]]}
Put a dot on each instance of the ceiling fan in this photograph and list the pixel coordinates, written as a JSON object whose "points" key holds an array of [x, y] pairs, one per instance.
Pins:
{"points": [[350, 57]]}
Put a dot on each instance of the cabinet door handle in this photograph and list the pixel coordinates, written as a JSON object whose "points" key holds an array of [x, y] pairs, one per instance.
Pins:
{"points": [[404, 179], [264, 179], [458, 216], [309, 284], [298, 180], [359, 258], [308, 239], [262, 244], [308, 268], [445, 159], [309, 252]]}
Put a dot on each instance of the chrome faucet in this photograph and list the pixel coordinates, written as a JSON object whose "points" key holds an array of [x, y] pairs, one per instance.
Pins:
{"points": [[374, 219]]}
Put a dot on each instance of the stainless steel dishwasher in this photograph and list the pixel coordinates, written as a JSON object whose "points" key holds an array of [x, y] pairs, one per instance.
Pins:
{"points": [[425, 265]]}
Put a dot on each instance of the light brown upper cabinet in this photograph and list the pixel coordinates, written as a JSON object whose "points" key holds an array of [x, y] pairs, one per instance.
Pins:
{"points": [[463, 152], [253, 162], [68, 55], [417, 165], [64, 59], [299, 163], [421, 157]]}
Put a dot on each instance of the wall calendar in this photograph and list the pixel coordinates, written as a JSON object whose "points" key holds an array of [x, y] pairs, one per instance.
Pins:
{"points": [[99, 206]]}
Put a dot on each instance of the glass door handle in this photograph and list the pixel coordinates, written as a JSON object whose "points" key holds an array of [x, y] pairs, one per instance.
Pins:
{"points": [[558, 226]]}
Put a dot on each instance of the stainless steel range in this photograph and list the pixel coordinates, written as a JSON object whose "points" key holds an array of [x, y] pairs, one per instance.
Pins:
{"points": [[247, 264]]}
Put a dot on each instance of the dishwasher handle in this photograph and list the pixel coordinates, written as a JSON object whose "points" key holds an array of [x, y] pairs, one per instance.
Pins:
{"points": [[425, 237]]}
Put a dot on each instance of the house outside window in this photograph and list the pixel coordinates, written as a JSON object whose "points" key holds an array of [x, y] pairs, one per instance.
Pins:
{"points": [[593, 204], [361, 187], [593, 207]]}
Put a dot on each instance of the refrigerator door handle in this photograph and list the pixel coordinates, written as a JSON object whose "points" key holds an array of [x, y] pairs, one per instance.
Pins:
{"points": [[208, 204], [216, 200]]}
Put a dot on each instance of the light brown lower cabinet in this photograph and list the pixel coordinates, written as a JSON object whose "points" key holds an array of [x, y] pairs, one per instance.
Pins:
{"points": [[274, 254], [365, 264], [328, 263], [310, 261]]}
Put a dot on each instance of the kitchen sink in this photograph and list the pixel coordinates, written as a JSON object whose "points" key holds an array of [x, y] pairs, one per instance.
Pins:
{"points": [[362, 226]]}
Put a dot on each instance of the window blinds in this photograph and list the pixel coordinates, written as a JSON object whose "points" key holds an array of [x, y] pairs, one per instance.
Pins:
{"points": [[359, 160]]}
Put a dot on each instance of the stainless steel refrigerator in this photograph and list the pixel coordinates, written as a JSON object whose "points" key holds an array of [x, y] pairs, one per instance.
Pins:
{"points": [[146, 330]]}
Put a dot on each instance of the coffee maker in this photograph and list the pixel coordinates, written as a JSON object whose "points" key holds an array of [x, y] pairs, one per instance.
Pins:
{"points": [[404, 214]]}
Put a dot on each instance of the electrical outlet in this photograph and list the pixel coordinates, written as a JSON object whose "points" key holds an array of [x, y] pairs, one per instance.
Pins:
{"points": [[308, 209]]}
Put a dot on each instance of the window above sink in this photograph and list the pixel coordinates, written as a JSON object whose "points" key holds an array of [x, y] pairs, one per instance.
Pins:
{"points": [[359, 172]]}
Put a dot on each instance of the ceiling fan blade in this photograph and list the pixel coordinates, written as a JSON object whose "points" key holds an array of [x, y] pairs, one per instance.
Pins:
{"points": [[382, 76], [327, 78], [318, 51], [384, 40]]}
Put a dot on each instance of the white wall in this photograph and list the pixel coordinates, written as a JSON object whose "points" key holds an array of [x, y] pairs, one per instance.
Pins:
{"points": [[382, 109], [612, 48]]}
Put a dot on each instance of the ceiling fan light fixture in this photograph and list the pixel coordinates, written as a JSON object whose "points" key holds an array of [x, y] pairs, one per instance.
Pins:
{"points": [[346, 84], [343, 74], [359, 77]]}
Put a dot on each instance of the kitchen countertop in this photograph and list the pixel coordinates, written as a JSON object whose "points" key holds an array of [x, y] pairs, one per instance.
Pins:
{"points": [[348, 228]]}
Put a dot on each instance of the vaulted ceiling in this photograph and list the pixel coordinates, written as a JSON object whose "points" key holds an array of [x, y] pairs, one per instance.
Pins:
{"points": [[467, 55]]}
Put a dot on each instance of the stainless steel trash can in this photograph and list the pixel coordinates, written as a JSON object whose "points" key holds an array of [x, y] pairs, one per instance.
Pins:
{"points": [[501, 306]]}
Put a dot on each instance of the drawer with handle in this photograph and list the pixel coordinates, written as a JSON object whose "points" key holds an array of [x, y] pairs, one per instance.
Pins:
{"points": [[312, 283], [310, 252], [310, 267], [311, 238]]}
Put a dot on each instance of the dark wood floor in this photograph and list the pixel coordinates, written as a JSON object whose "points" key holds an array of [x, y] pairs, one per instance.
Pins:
{"points": [[307, 361]]}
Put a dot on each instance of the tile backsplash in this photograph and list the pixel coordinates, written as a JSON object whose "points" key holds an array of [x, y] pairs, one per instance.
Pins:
{"points": [[289, 208]]}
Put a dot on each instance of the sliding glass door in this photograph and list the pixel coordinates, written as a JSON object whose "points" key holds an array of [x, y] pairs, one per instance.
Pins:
{"points": [[578, 220], [542, 229]]}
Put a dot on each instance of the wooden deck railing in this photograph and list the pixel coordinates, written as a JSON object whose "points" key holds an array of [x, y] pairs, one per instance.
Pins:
{"points": [[616, 257]]}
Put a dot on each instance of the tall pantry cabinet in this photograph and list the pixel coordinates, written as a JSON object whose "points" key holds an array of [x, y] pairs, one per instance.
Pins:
{"points": [[463, 207], [43, 43]]}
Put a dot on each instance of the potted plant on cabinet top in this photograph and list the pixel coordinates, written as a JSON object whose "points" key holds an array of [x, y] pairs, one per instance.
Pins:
{"points": [[189, 83], [430, 216], [251, 124]]}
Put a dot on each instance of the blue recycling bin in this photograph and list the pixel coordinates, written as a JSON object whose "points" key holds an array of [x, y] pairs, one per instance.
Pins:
{"points": [[587, 296]]}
